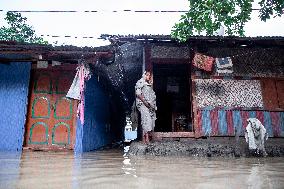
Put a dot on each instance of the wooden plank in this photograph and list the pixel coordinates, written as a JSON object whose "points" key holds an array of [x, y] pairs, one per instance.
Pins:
{"points": [[159, 135], [269, 94], [170, 60], [196, 128], [63, 67], [280, 92], [148, 62]]}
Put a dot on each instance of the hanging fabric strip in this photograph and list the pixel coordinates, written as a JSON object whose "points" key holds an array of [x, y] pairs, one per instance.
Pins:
{"points": [[77, 88], [214, 122], [238, 123], [84, 75], [230, 124], [206, 123]]}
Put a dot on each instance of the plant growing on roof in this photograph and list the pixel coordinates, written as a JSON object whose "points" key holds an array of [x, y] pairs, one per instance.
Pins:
{"points": [[210, 15], [18, 30]]}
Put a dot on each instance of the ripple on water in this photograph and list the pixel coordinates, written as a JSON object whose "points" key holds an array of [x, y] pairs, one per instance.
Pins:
{"points": [[113, 169]]}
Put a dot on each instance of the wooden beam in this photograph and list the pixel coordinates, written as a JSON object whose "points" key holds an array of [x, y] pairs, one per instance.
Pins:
{"points": [[194, 107], [170, 60], [160, 135], [148, 63], [62, 56]]}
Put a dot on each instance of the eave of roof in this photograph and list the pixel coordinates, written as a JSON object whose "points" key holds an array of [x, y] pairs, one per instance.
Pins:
{"points": [[31, 52], [266, 40]]}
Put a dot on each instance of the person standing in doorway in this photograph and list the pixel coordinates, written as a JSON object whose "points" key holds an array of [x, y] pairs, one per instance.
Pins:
{"points": [[146, 104]]}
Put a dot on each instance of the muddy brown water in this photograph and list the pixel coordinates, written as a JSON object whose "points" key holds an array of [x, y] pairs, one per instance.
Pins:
{"points": [[112, 169]]}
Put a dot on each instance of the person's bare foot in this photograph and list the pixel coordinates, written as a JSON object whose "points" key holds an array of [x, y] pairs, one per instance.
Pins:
{"points": [[144, 140]]}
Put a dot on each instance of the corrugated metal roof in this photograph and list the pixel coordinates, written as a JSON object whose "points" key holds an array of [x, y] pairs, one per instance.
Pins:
{"points": [[197, 37]]}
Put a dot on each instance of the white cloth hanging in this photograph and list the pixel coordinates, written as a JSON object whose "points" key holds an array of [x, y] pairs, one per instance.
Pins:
{"points": [[74, 90], [255, 135]]}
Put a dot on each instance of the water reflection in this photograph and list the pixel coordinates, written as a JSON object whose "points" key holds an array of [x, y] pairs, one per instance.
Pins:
{"points": [[127, 167], [9, 169], [115, 169]]}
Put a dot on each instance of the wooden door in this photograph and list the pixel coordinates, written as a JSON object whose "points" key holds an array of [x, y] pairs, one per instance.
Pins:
{"points": [[51, 116]]}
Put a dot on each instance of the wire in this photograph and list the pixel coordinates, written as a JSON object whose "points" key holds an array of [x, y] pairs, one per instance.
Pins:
{"points": [[69, 36], [98, 11]]}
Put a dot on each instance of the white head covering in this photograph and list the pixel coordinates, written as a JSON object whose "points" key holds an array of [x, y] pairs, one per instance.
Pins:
{"points": [[144, 77]]}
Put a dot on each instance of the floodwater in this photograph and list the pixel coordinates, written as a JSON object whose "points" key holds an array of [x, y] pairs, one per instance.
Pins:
{"points": [[112, 169]]}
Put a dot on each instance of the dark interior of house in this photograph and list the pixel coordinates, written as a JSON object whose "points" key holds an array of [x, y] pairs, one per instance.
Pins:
{"points": [[172, 88]]}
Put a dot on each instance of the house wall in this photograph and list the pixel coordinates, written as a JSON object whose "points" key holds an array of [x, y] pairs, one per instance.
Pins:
{"points": [[96, 130], [227, 114], [223, 103], [14, 87]]}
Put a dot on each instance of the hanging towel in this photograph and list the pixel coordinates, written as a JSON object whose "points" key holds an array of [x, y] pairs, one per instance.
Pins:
{"points": [[83, 73], [224, 65], [203, 62], [76, 91], [255, 135], [224, 62]]}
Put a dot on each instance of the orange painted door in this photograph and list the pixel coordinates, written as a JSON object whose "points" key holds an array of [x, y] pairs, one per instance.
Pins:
{"points": [[51, 116]]}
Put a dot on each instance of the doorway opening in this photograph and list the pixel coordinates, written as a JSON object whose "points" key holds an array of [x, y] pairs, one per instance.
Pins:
{"points": [[173, 91]]}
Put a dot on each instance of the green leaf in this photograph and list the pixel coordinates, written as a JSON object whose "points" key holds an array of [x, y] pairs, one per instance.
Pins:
{"points": [[209, 15], [18, 30]]}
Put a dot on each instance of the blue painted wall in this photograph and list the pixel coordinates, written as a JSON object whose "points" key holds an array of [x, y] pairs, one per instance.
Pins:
{"points": [[14, 87], [96, 131]]}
